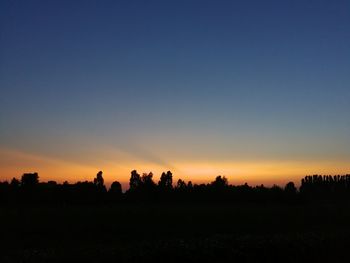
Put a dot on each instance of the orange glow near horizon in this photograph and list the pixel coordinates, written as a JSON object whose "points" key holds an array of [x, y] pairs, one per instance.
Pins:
{"points": [[269, 172]]}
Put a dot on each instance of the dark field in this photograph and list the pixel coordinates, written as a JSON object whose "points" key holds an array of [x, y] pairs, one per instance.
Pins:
{"points": [[176, 233]]}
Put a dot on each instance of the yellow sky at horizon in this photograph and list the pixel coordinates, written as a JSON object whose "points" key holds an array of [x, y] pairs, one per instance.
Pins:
{"points": [[14, 163]]}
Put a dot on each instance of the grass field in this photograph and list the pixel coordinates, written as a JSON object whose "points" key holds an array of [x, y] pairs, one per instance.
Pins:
{"points": [[176, 233]]}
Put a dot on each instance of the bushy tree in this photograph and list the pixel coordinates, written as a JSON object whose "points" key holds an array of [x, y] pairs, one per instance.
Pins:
{"points": [[290, 188], [166, 181], [135, 180], [181, 185], [29, 179], [220, 182], [115, 192], [147, 181], [116, 188]]}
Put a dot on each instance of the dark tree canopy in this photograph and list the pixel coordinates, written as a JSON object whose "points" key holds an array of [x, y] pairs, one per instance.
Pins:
{"points": [[181, 184], [290, 188], [116, 188], [166, 181], [189, 184], [220, 182], [15, 183], [147, 180], [144, 189], [29, 179], [135, 180], [98, 180]]}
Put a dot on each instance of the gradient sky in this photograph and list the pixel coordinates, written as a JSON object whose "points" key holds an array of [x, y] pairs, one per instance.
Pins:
{"points": [[258, 91]]}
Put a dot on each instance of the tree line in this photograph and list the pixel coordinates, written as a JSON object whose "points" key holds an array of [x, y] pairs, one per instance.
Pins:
{"points": [[143, 188]]}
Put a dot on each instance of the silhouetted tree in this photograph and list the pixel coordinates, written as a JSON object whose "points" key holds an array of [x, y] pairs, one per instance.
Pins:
{"points": [[115, 191], [135, 180], [147, 181], [189, 185], [290, 188], [29, 179], [98, 180], [181, 185], [220, 182], [15, 183], [166, 181], [116, 188]]}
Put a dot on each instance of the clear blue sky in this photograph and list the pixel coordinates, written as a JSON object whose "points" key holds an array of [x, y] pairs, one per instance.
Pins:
{"points": [[174, 82]]}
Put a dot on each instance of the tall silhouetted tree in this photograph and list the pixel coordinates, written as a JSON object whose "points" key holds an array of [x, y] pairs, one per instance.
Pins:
{"points": [[98, 180], [147, 181], [135, 180], [166, 181]]}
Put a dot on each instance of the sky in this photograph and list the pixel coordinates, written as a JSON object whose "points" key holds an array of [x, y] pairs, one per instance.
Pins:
{"points": [[258, 91]]}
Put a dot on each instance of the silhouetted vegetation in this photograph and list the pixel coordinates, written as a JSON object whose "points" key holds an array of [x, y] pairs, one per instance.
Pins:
{"points": [[326, 187], [143, 188], [174, 222]]}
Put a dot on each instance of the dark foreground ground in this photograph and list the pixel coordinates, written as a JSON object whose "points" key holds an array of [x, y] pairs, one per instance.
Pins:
{"points": [[176, 233]]}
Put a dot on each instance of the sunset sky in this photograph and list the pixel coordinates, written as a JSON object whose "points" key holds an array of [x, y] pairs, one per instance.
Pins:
{"points": [[258, 91]]}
